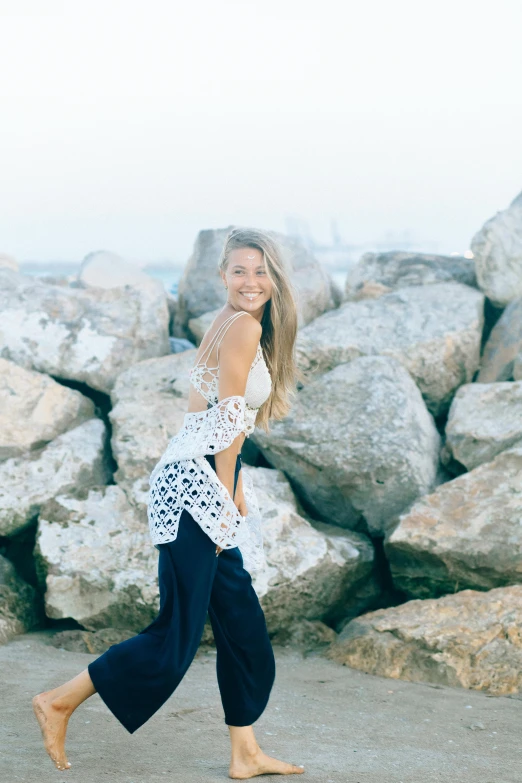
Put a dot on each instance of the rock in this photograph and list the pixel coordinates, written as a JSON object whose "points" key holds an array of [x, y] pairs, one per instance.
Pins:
{"points": [[179, 344], [95, 559], [93, 642], [484, 419], [380, 273], [72, 462], [89, 335], [434, 331], [34, 409], [6, 262], [503, 346], [102, 269], [358, 445], [98, 566], [149, 405], [467, 534], [497, 248], [19, 608], [313, 573], [305, 633], [198, 326], [201, 290], [471, 639], [172, 304], [517, 368]]}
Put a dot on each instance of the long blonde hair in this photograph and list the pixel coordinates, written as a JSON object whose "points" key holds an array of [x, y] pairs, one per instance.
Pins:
{"points": [[279, 321]]}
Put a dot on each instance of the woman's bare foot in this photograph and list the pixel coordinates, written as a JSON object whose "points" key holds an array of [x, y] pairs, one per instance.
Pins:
{"points": [[258, 763], [53, 721]]}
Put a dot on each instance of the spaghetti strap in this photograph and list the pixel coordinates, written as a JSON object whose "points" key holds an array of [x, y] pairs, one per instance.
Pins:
{"points": [[208, 387], [220, 333], [233, 318]]}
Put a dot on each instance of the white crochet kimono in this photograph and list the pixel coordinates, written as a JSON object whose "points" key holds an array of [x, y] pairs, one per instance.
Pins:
{"points": [[184, 479]]}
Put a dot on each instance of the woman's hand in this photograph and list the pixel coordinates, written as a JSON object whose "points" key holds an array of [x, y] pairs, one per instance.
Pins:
{"points": [[239, 500]]}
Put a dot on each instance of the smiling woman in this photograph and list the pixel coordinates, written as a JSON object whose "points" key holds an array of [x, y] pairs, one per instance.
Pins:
{"points": [[207, 537]]}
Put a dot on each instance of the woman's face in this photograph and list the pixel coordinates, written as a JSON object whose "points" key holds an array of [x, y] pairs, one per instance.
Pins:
{"points": [[248, 285]]}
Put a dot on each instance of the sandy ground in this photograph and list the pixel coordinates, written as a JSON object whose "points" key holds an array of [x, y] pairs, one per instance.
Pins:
{"points": [[344, 726]]}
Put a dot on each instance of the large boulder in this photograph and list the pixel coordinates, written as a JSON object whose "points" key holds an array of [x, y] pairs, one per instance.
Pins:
{"points": [[484, 419], [358, 445], [7, 262], [83, 334], [314, 572], [96, 562], [150, 403], [201, 288], [380, 273], [434, 331], [72, 462], [467, 534], [471, 639], [517, 368], [19, 605], [199, 326], [103, 269], [497, 248], [503, 346], [34, 409]]}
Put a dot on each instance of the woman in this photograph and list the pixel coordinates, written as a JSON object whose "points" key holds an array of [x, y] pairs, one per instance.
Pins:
{"points": [[199, 519]]}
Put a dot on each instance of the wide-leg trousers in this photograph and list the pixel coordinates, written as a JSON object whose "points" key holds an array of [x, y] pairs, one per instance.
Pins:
{"points": [[136, 677]]}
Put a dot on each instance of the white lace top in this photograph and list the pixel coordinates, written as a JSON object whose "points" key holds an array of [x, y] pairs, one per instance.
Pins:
{"points": [[184, 479]]}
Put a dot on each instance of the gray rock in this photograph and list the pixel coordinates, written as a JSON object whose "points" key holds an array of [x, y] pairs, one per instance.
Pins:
{"points": [[72, 462], [103, 269], [92, 642], [180, 344], [471, 640], [7, 262], [379, 273], [314, 572], [172, 304], [89, 335], [198, 326], [99, 567], [96, 561], [503, 346], [517, 368], [467, 534], [484, 419], [201, 289], [497, 248], [358, 445], [149, 405], [309, 634], [19, 608], [434, 331], [34, 409]]}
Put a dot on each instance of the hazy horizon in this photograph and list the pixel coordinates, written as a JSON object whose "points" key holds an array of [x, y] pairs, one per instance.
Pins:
{"points": [[130, 127]]}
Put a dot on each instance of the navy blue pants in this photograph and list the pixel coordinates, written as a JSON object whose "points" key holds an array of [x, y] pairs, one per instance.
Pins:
{"points": [[136, 677]]}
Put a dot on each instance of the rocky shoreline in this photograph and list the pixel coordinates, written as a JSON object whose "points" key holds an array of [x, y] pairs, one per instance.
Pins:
{"points": [[391, 495]]}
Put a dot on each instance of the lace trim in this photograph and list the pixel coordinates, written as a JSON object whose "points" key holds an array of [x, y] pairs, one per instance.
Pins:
{"points": [[183, 479], [209, 388]]}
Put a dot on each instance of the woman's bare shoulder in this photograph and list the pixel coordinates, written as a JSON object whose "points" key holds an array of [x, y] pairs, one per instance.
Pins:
{"points": [[243, 335]]}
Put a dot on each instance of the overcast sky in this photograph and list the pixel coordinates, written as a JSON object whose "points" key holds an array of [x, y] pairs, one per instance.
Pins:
{"points": [[131, 125]]}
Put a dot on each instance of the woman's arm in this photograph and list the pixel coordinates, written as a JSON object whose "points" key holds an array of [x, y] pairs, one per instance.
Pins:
{"points": [[236, 354]]}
